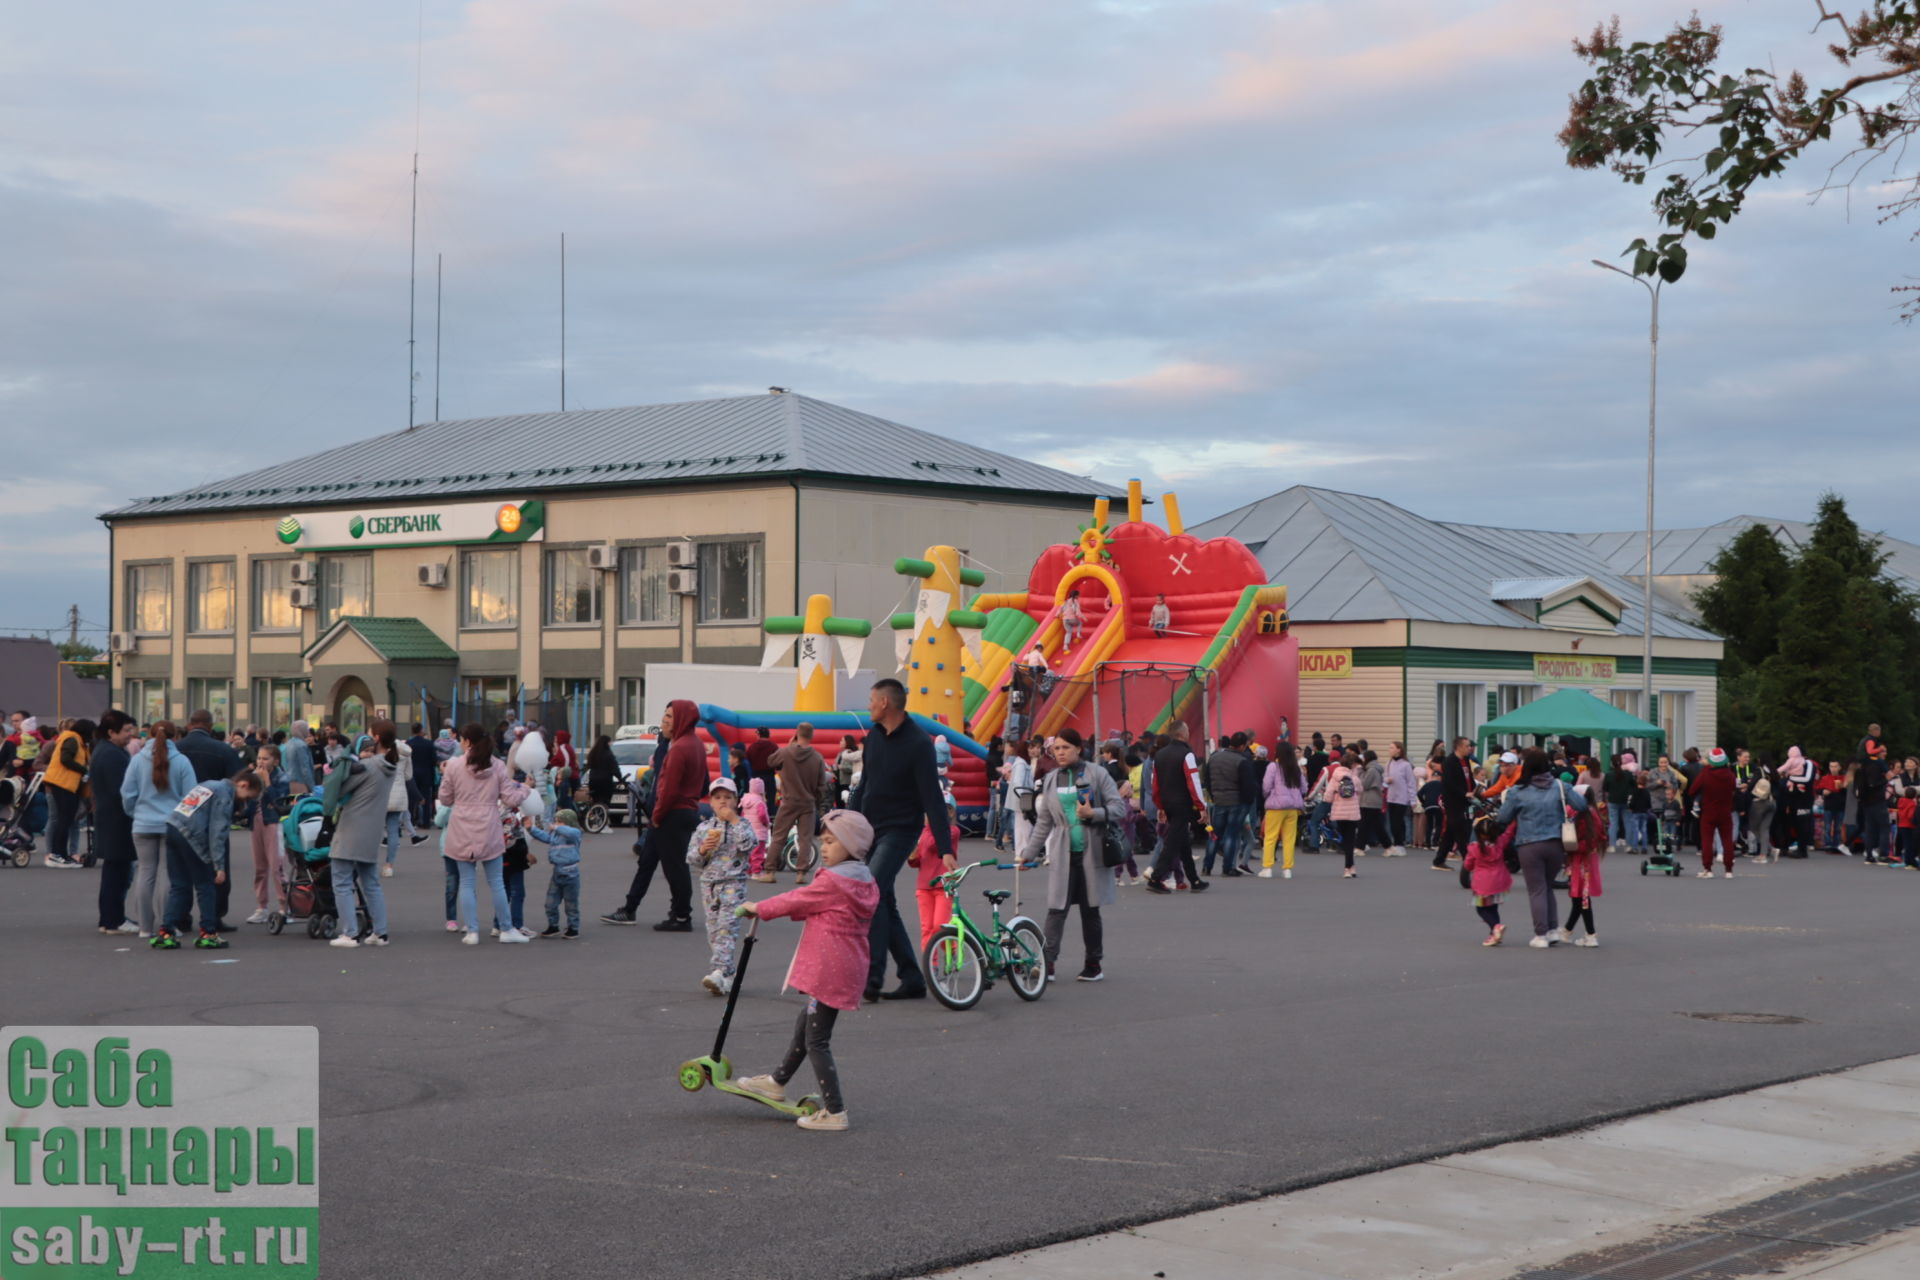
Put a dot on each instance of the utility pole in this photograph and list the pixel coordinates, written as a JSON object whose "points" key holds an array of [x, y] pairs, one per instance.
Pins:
{"points": [[1653, 397], [73, 625]]}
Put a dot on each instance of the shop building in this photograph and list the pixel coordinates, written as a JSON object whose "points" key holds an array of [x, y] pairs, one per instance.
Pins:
{"points": [[1414, 629], [481, 563]]}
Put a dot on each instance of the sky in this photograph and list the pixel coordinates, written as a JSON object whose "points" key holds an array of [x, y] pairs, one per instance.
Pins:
{"points": [[1222, 246]]}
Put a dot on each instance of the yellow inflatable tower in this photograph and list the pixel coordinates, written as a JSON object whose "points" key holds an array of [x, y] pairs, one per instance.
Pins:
{"points": [[816, 634], [929, 637]]}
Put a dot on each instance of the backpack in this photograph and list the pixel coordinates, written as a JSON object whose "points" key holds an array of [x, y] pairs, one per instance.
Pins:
{"points": [[1346, 786]]}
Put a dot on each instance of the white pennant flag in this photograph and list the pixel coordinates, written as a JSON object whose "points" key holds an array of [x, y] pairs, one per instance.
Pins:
{"points": [[933, 607], [811, 649], [902, 646], [851, 647], [970, 636], [776, 649]]}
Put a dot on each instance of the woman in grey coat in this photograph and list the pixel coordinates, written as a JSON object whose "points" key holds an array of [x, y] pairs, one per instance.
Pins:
{"points": [[1077, 805], [357, 797]]}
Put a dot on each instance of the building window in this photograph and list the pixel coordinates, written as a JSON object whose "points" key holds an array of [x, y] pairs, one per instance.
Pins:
{"points": [[569, 705], [644, 598], [633, 705], [490, 589], [346, 588], [214, 697], [573, 588], [1512, 697], [1629, 701], [273, 703], [210, 596], [149, 607], [273, 596], [1460, 710], [146, 700], [1676, 717], [486, 700], [730, 581]]}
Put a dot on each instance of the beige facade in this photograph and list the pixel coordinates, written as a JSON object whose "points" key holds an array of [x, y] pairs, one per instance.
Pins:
{"points": [[798, 538]]}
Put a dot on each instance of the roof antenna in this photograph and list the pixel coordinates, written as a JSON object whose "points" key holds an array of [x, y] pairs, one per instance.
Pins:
{"points": [[413, 222], [436, 337], [563, 322]]}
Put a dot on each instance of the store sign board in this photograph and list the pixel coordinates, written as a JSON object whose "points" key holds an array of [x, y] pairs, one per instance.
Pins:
{"points": [[1572, 668], [426, 525], [1326, 664]]}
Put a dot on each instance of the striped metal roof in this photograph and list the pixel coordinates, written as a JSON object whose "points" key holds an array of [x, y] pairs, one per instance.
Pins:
{"points": [[1691, 552], [1348, 558], [1505, 589], [735, 438]]}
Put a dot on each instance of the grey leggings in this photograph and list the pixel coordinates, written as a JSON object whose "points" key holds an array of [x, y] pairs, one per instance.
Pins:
{"points": [[813, 1038], [151, 850], [1541, 862]]}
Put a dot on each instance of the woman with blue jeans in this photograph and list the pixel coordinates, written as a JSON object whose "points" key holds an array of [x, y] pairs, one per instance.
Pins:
{"points": [[358, 800], [474, 787], [1536, 806]]}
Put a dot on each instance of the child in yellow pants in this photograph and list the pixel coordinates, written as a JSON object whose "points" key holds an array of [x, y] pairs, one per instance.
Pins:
{"points": [[1282, 794]]}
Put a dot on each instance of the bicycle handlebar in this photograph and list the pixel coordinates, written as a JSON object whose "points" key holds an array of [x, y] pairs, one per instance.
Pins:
{"points": [[950, 880]]}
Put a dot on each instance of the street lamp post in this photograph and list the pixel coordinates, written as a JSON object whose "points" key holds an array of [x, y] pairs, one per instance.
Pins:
{"points": [[1653, 385]]}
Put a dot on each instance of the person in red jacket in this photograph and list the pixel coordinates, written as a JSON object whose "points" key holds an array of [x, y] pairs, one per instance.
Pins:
{"points": [[680, 779], [1714, 786]]}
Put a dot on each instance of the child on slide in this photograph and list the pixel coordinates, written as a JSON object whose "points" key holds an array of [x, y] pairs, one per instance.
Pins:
{"points": [[830, 964]]}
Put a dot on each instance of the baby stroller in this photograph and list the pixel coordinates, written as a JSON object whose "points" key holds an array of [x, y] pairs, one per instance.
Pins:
{"points": [[306, 874], [26, 816], [1665, 857]]}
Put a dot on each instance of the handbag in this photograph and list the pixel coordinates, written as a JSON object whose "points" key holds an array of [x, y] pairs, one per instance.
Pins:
{"points": [[1569, 831]]}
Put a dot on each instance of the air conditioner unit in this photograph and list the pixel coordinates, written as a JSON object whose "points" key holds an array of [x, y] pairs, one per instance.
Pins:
{"points": [[433, 575], [680, 555], [122, 642], [602, 555], [683, 582], [303, 596], [302, 571]]}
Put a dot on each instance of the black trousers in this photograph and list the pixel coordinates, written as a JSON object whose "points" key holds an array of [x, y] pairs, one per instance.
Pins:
{"points": [[1176, 846], [1455, 836], [665, 847], [116, 878], [1092, 932], [61, 828], [813, 1039]]}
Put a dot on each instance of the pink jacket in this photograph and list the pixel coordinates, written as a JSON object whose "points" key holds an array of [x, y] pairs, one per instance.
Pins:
{"points": [[1488, 864], [1347, 810], [753, 807], [830, 963], [473, 832], [1583, 874], [1276, 794]]}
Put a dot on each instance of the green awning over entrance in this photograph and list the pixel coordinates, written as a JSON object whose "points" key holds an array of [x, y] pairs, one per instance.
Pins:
{"points": [[391, 639], [1570, 712]]}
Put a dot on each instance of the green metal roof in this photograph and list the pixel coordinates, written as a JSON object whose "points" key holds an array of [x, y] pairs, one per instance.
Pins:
{"points": [[394, 639]]}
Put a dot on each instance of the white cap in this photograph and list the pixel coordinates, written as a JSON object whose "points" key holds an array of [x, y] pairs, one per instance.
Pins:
{"points": [[1508, 757], [722, 783]]}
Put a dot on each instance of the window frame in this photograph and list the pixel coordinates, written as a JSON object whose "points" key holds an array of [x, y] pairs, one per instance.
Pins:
{"points": [[206, 704], [261, 692], [193, 595], [128, 604], [326, 617], [134, 691], [596, 576], [756, 589], [1474, 696], [632, 704], [512, 555], [678, 606], [256, 594]]}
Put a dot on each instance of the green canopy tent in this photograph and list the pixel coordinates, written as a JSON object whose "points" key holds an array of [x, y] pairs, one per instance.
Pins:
{"points": [[1571, 712]]}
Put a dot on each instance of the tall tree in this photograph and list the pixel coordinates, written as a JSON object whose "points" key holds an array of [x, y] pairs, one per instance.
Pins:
{"points": [[1747, 597], [1813, 692]]}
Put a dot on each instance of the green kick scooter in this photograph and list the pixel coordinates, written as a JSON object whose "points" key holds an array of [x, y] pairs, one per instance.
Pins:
{"points": [[716, 1070]]}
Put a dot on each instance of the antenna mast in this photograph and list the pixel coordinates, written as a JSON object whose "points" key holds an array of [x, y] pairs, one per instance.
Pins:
{"points": [[436, 337], [563, 322], [413, 221]]}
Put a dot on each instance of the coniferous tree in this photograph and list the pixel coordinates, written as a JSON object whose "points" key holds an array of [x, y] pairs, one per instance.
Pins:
{"points": [[1813, 690], [1744, 605]]}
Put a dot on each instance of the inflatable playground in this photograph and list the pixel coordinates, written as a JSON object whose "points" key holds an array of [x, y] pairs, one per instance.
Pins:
{"points": [[1001, 665]]}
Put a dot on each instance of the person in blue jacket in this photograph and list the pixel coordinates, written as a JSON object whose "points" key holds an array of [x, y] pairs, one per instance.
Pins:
{"points": [[197, 860]]}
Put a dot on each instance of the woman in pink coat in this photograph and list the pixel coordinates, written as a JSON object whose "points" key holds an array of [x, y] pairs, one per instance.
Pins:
{"points": [[475, 787], [830, 964]]}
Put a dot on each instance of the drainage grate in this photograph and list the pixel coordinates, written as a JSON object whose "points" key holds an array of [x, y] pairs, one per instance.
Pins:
{"points": [[1764, 1236], [1752, 1019]]}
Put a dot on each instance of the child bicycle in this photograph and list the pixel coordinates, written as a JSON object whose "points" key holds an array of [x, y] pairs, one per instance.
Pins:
{"points": [[962, 960]]}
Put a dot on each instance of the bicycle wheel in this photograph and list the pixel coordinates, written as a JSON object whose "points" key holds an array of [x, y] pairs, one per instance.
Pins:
{"points": [[594, 820], [803, 863], [956, 968], [1026, 958]]}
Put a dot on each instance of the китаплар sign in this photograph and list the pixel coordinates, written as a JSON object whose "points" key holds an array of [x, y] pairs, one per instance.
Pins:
{"points": [[1326, 664], [435, 525]]}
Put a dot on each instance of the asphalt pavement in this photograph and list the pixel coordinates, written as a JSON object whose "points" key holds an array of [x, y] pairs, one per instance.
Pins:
{"points": [[514, 1109]]}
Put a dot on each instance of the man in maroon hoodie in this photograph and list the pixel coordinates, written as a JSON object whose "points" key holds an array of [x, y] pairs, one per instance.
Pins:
{"points": [[679, 780], [1714, 787]]}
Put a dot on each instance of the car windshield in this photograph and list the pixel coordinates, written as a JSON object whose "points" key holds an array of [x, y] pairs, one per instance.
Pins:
{"points": [[634, 751]]}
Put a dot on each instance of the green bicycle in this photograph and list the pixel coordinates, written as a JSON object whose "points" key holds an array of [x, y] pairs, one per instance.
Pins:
{"points": [[962, 960]]}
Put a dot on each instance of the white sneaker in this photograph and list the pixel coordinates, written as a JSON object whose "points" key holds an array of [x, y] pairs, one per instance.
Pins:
{"points": [[375, 940], [514, 935], [1557, 935], [1726, 875], [1287, 874], [472, 939], [717, 982], [1540, 941], [824, 1122], [493, 933], [386, 871], [1266, 873], [145, 934], [127, 926], [258, 917], [344, 942], [1591, 940], [1704, 875], [763, 1086]]}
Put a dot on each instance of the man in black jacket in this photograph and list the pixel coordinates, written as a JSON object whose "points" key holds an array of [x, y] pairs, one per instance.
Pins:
{"points": [[112, 824], [899, 794], [1456, 789], [1176, 793], [212, 759]]}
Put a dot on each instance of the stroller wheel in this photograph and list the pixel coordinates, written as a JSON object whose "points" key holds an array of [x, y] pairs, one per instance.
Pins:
{"points": [[313, 926], [23, 856], [275, 923], [329, 927]]}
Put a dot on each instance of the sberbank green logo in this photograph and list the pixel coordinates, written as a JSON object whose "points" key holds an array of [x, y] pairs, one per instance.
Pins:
{"points": [[356, 526], [289, 531]]}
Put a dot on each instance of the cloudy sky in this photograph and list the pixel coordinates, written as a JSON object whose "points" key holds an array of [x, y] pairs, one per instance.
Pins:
{"points": [[1225, 246]]}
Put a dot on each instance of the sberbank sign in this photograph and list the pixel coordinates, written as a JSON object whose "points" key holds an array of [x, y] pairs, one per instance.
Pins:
{"points": [[459, 522]]}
